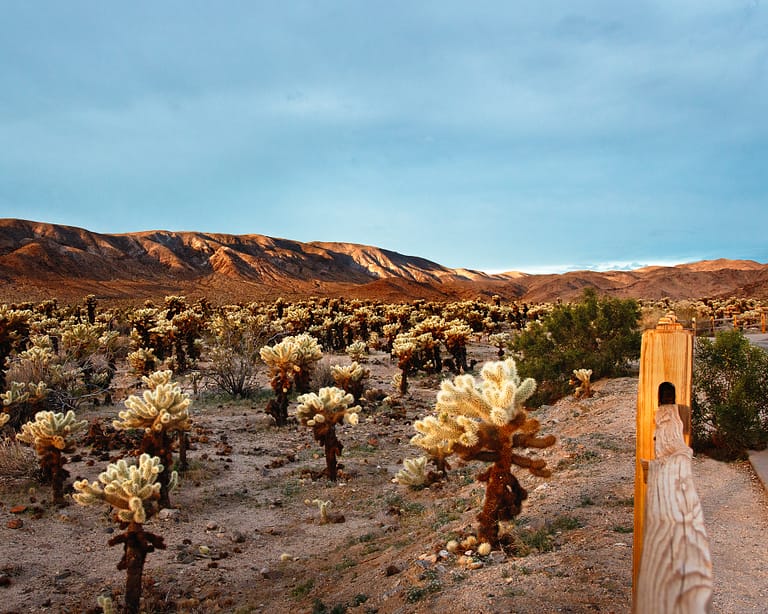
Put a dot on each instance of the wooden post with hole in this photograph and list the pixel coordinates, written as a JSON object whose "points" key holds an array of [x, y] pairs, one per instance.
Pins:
{"points": [[666, 365]]}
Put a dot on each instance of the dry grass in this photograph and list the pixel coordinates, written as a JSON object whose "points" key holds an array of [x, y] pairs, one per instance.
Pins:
{"points": [[17, 462]]}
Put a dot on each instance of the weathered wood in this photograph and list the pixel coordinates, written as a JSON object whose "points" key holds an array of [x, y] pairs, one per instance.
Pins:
{"points": [[666, 356], [676, 567]]}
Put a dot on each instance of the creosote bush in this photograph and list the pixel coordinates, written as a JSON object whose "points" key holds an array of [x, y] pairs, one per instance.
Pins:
{"points": [[601, 334], [730, 401]]}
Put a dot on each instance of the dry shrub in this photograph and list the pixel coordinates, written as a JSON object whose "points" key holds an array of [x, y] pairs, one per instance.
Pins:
{"points": [[17, 462]]}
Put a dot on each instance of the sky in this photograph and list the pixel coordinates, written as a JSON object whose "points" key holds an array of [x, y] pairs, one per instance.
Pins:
{"points": [[537, 135]]}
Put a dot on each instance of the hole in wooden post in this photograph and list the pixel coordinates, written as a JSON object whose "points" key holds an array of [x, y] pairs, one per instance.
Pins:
{"points": [[666, 394]]}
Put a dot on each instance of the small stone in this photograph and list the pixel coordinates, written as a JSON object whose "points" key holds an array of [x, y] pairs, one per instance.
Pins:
{"points": [[444, 554], [15, 523], [237, 537], [270, 574], [169, 513], [5, 580], [391, 570], [18, 509], [475, 565], [211, 526], [497, 556], [62, 575]]}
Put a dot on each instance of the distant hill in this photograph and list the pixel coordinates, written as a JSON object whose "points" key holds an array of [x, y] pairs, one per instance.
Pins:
{"points": [[39, 261]]}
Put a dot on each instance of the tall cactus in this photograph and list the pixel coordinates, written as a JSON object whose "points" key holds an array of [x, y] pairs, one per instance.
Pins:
{"points": [[161, 411], [133, 492], [486, 421]]}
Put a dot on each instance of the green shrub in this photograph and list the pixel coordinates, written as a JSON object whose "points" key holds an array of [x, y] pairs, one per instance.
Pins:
{"points": [[598, 333], [730, 400]]}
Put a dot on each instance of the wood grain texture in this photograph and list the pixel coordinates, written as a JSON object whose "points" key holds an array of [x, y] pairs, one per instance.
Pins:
{"points": [[676, 567], [666, 355]]}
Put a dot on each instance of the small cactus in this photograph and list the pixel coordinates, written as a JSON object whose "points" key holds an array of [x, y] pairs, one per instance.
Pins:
{"points": [[581, 379], [52, 434], [487, 421], [323, 411]]}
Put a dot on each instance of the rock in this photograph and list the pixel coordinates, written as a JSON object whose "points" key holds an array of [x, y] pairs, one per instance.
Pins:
{"points": [[497, 556], [237, 537], [18, 509], [211, 526], [169, 513], [15, 523], [270, 574], [392, 570]]}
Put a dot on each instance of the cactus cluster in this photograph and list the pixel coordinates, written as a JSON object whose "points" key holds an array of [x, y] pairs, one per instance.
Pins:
{"points": [[161, 412]]}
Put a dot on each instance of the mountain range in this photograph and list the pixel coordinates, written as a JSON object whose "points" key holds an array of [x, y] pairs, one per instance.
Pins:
{"points": [[40, 261]]}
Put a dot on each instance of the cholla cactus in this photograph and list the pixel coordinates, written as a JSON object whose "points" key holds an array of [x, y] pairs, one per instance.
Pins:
{"points": [[358, 351], [486, 421], [160, 411], [351, 378], [52, 434], [132, 491], [581, 379], [404, 347], [414, 472], [499, 341], [282, 359], [456, 336], [22, 401], [142, 361], [309, 353], [323, 506], [3, 419], [323, 411]]}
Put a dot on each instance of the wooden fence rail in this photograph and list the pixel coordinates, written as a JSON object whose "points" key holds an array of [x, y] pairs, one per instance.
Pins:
{"points": [[676, 568]]}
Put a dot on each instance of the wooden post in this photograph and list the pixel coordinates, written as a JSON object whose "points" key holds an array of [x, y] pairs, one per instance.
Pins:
{"points": [[676, 568], [762, 321], [666, 365]]}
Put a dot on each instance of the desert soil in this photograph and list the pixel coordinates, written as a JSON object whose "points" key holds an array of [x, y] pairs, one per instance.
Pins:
{"points": [[243, 540]]}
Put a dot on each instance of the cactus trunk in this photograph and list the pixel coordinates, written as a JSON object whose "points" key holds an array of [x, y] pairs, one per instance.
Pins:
{"points": [[504, 496], [137, 543], [158, 443]]}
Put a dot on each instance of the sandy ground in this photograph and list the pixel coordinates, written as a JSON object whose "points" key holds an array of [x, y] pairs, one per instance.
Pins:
{"points": [[243, 540]]}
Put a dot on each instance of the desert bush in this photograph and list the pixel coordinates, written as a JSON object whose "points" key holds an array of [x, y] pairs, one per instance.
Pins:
{"points": [[600, 334], [234, 340], [730, 401]]}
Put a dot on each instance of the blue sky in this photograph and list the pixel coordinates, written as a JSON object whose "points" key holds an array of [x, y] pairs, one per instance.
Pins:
{"points": [[496, 135]]}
